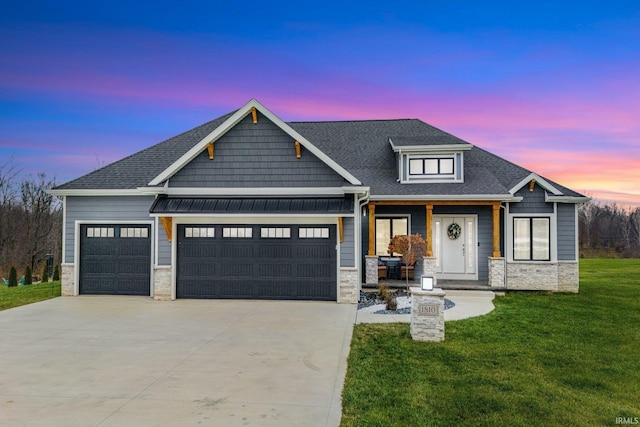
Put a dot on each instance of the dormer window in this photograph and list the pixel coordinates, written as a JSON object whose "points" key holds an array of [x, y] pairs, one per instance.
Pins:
{"points": [[431, 167]]}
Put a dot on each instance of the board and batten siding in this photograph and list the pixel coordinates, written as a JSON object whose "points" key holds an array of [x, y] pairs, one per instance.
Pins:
{"points": [[256, 155], [566, 232], [105, 209], [532, 202]]}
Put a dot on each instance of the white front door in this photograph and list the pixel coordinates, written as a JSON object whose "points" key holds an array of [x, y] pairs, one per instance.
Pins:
{"points": [[455, 246]]}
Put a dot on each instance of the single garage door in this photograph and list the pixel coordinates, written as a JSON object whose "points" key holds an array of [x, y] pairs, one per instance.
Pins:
{"points": [[257, 262], [115, 259]]}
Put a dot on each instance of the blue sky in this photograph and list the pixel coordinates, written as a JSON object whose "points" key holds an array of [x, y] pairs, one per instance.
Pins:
{"points": [[552, 86]]}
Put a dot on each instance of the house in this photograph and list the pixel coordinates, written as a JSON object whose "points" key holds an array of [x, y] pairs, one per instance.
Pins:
{"points": [[249, 206]]}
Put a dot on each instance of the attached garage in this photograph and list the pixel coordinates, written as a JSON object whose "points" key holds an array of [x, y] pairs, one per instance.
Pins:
{"points": [[289, 261], [115, 259]]}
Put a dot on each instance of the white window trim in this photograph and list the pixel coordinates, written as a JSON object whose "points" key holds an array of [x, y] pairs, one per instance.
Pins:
{"points": [[392, 216], [421, 179], [553, 236]]}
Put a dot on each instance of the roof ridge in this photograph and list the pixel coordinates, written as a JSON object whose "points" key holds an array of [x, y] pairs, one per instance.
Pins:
{"points": [[353, 121]]}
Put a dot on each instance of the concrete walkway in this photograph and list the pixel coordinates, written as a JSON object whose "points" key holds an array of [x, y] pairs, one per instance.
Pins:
{"points": [[467, 304], [131, 361]]}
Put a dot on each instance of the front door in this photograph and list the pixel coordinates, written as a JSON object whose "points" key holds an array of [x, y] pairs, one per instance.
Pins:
{"points": [[455, 246]]}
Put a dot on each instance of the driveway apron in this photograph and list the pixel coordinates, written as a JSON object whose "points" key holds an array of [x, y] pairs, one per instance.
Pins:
{"points": [[131, 361]]}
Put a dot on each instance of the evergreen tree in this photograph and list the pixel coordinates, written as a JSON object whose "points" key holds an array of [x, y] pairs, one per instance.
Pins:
{"points": [[45, 274], [13, 277], [56, 273], [28, 278]]}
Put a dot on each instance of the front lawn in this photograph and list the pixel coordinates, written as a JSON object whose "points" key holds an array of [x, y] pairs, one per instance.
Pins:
{"points": [[537, 360], [21, 295]]}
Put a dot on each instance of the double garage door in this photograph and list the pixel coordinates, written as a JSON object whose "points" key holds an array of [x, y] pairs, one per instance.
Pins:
{"points": [[257, 261], [115, 259]]}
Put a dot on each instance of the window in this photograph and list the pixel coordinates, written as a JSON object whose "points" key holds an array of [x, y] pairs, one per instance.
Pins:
{"points": [[100, 232], [531, 239], [139, 232], [313, 233], [386, 228], [436, 167], [237, 232], [275, 233], [199, 232]]}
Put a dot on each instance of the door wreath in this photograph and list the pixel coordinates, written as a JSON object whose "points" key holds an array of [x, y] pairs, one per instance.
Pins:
{"points": [[454, 231]]}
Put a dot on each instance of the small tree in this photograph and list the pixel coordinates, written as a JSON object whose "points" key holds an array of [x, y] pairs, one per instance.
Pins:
{"points": [[411, 246], [28, 278], [56, 273], [45, 274], [13, 277]]}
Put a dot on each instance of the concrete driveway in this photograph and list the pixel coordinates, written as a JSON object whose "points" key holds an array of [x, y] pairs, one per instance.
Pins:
{"points": [[130, 361]]}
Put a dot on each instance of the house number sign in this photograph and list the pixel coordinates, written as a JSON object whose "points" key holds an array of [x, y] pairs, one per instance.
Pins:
{"points": [[431, 310]]}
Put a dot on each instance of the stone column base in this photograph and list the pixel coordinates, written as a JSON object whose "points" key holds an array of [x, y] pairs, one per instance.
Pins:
{"points": [[371, 269], [68, 277], [427, 314], [162, 282], [428, 266], [349, 290], [497, 273]]}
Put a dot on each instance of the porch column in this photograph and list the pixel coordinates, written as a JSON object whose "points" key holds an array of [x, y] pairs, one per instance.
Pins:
{"points": [[496, 230], [372, 229], [428, 232]]}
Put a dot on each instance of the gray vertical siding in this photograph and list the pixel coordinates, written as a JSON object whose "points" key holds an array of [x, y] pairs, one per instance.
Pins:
{"points": [[256, 155], [102, 208], [164, 246], [532, 202], [347, 248], [567, 232]]}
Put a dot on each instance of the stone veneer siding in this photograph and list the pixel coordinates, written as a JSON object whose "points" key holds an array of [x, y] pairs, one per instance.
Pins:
{"points": [[568, 276], [162, 282], [428, 267], [349, 291], [531, 276], [497, 273], [68, 280]]}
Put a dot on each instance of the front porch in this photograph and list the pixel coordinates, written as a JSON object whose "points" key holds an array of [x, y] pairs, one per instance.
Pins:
{"points": [[458, 285], [468, 259]]}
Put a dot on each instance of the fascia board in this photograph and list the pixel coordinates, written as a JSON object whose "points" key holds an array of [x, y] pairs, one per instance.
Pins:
{"points": [[249, 215], [235, 119], [254, 191], [95, 192], [540, 180], [468, 197], [429, 148], [566, 199]]}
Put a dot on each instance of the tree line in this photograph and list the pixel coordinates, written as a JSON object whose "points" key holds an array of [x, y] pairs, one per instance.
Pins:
{"points": [[30, 222], [609, 230]]}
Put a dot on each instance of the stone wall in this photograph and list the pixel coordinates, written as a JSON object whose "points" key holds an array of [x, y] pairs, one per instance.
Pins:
{"points": [[428, 267], [162, 282], [568, 276], [532, 276], [497, 273], [349, 291], [67, 274]]}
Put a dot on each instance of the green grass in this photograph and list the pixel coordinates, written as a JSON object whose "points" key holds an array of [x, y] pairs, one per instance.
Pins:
{"points": [[21, 295], [537, 360]]}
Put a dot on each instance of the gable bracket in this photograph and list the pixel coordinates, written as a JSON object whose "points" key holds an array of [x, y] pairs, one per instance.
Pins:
{"points": [[210, 149], [298, 149], [531, 185], [254, 114], [167, 223]]}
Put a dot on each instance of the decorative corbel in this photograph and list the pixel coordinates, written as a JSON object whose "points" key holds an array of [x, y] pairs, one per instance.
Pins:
{"points": [[167, 223], [531, 185], [298, 149], [210, 149], [254, 114]]}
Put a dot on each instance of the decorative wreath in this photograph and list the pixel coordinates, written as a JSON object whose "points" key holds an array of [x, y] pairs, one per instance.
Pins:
{"points": [[454, 231]]}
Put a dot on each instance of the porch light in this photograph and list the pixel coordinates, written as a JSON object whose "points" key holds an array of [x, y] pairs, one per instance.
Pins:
{"points": [[427, 283]]}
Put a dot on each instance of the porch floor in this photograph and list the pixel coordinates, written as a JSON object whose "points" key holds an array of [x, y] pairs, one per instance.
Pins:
{"points": [[466, 285]]}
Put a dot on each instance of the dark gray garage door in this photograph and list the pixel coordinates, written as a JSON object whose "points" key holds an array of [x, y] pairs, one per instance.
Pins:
{"points": [[257, 262], [115, 259]]}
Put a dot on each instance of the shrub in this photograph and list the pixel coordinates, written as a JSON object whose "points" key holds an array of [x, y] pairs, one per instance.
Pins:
{"points": [[383, 291], [28, 277], [56, 273], [45, 274], [392, 303], [13, 277]]}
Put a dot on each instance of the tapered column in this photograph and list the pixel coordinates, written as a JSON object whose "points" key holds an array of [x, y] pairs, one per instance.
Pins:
{"points": [[372, 229], [429, 233], [496, 230]]}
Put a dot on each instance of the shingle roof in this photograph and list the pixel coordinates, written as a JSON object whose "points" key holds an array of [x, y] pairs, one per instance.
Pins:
{"points": [[361, 147]]}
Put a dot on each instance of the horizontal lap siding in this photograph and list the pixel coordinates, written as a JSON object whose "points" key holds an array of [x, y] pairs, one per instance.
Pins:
{"points": [[102, 208], [347, 248], [566, 232], [256, 155], [532, 202]]}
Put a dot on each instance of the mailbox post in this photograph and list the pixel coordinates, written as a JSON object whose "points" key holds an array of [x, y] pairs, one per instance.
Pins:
{"points": [[427, 314]]}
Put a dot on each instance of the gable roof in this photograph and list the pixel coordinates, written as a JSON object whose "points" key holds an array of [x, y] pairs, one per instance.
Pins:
{"points": [[359, 151]]}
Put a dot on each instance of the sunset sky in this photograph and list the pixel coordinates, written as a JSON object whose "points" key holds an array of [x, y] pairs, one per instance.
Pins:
{"points": [[551, 85]]}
